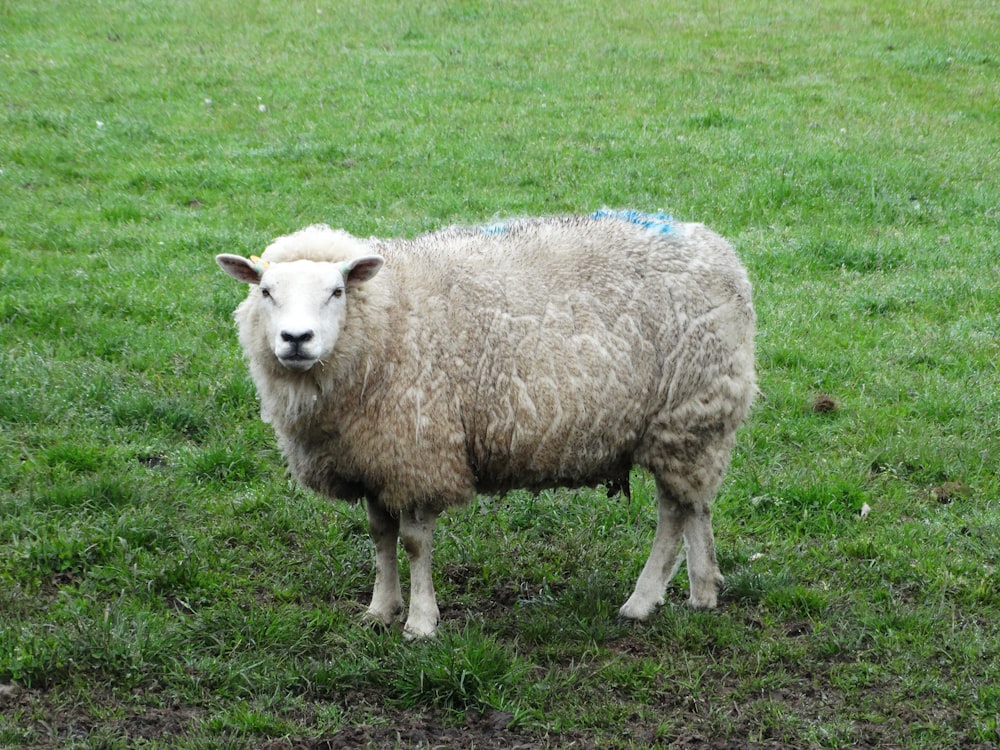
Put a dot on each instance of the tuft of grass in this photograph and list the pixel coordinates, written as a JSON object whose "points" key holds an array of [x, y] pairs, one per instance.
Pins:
{"points": [[462, 671]]}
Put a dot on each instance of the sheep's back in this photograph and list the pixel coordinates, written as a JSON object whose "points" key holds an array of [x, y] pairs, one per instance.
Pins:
{"points": [[553, 343]]}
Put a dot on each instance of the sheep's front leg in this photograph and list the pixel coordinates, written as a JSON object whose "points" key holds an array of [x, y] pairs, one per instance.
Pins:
{"points": [[387, 599], [416, 531]]}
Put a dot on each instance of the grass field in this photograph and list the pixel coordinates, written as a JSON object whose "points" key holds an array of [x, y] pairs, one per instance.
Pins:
{"points": [[164, 585]]}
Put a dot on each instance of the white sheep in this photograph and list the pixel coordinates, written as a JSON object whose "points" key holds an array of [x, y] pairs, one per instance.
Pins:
{"points": [[531, 353]]}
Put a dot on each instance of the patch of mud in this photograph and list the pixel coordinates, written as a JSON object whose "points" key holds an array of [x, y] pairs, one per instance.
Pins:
{"points": [[413, 731], [48, 721], [52, 723]]}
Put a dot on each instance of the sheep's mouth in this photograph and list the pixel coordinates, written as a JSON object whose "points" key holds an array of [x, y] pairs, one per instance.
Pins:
{"points": [[297, 362]]}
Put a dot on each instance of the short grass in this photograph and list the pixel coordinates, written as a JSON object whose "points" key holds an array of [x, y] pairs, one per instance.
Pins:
{"points": [[163, 584]]}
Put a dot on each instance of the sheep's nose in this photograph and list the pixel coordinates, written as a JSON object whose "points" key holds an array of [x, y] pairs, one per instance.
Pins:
{"points": [[296, 338]]}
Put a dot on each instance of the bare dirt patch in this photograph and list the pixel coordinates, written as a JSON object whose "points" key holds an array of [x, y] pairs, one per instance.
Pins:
{"points": [[413, 731]]}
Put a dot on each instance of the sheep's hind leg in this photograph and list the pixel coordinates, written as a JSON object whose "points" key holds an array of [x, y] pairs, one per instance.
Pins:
{"points": [[663, 560], [416, 531], [688, 468], [703, 568], [387, 599]]}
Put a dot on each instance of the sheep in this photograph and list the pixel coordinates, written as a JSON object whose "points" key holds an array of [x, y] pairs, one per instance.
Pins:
{"points": [[530, 353]]}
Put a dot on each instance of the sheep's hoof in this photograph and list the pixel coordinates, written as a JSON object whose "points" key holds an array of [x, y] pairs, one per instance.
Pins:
{"points": [[706, 594], [416, 631], [410, 634], [381, 620], [703, 603], [637, 610]]}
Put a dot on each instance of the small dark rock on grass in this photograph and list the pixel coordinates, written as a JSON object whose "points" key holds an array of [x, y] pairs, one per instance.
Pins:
{"points": [[7, 694], [823, 403], [949, 491]]}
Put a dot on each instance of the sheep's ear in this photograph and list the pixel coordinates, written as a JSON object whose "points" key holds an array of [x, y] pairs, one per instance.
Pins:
{"points": [[361, 269], [240, 268]]}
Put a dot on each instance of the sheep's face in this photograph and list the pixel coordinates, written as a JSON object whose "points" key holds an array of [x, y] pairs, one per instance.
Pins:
{"points": [[302, 303]]}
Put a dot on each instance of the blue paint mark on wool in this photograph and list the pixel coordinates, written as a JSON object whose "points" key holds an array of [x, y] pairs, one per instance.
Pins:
{"points": [[498, 228], [656, 223]]}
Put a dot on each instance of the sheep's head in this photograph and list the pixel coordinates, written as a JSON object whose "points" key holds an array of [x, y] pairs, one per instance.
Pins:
{"points": [[302, 303]]}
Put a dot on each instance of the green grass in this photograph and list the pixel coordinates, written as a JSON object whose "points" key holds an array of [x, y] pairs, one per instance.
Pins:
{"points": [[162, 582]]}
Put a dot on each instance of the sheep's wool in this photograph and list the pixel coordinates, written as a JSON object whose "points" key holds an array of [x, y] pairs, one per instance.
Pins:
{"points": [[526, 353]]}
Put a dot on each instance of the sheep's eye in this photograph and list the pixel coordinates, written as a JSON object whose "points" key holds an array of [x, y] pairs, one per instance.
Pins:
{"points": [[338, 292], [265, 292]]}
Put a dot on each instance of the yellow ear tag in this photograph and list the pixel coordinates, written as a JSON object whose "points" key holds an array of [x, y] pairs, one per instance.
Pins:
{"points": [[259, 265]]}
